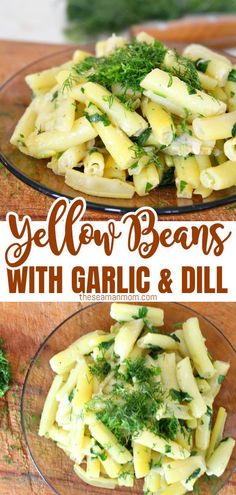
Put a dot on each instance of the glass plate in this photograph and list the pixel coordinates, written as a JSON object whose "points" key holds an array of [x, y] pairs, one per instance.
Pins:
{"points": [[15, 96], [53, 465]]}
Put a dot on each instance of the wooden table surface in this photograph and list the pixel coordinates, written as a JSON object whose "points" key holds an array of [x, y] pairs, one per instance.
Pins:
{"points": [[17, 196], [23, 327]]}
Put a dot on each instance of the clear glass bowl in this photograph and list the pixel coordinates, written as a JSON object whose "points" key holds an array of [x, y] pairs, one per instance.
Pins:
{"points": [[53, 465], [15, 96]]}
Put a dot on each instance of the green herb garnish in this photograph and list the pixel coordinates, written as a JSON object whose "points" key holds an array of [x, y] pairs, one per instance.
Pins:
{"points": [[221, 379], [5, 372], [128, 410], [232, 75], [193, 475], [143, 137], [54, 95], [148, 187], [202, 64], [182, 185], [97, 117], [180, 396], [104, 346], [142, 313], [71, 395], [233, 132], [100, 368], [137, 371]]}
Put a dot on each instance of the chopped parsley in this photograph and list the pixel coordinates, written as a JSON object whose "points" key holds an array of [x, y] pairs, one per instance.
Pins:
{"points": [[202, 64], [180, 396], [97, 117], [167, 449]]}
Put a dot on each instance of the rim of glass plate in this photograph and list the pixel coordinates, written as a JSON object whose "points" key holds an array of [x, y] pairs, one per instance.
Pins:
{"points": [[42, 345], [163, 210]]}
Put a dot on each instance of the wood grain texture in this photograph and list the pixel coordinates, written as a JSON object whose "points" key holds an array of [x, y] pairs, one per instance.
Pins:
{"points": [[16, 196], [23, 327], [215, 31]]}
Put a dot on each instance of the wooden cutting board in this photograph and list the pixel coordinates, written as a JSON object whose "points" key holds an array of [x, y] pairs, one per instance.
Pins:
{"points": [[24, 327], [16, 196]]}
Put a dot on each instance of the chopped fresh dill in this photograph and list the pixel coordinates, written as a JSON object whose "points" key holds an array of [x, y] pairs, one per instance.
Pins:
{"points": [[221, 379], [149, 326], [202, 64], [71, 395], [104, 346], [138, 150], [142, 313], [232, 75], [168, 176], [233, 132], [191, 89], [193, 475], [155, 351], [58, 155], [148, 187], [184, 121], [98, 452], [170, 81], [143, 137], [5, 372], [182, 185], [137, 371], [180, 396], [21, 140], [100, 368], [174, 337], [109, 99], [127, 66], [97, 117], [128, 410], [54, 95]]}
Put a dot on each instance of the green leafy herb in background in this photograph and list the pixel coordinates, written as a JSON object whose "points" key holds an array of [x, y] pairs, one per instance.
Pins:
{"points": [[5, 371], [89, 19]]}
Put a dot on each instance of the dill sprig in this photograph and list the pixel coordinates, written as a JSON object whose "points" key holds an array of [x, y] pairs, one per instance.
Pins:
{"points": [[5, 372], [127, 411], [137, 371], [127, 66], [100, 368], [133, 404]]}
